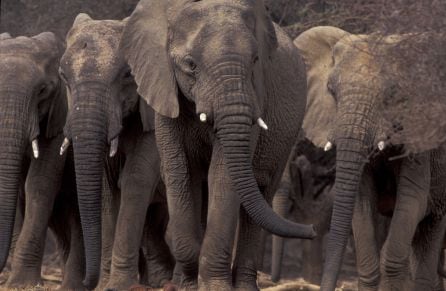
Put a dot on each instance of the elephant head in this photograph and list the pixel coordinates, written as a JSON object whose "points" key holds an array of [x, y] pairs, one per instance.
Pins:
{"points": [[352, 80], [210, 58], [32, 107], [102, 93]]}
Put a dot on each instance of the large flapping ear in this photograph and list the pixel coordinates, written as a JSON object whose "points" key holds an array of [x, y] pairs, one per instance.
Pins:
{"points": [[145, 46], [414, 106], [147, 116], [316, 47], [265, 31], [57, 112]]}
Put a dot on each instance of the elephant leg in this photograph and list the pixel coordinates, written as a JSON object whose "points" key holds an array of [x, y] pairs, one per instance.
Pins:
{"points": [[110, 208], [216, 251], [140, 178], [74, 262], [160, 262], [426, 246], [364, 234], [246, 263], [41, 187], [410, 208]]}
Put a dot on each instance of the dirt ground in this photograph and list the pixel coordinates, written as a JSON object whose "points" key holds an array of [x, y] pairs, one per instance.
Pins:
{"points": [[52, 274]]}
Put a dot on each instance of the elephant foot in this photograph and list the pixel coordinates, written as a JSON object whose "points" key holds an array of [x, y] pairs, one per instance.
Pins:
{"points": [[188, 285], [396, 285], [24, 279], [221, 285], [119, 284], [159, 279], [71, 286], [246, 286]]}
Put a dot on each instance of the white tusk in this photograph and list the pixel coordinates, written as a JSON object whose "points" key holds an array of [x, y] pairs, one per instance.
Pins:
{"points": [[64, 146], [203, 117], [35, 146], [114, 147], [328, 146], [381, 145], [262, 123]]}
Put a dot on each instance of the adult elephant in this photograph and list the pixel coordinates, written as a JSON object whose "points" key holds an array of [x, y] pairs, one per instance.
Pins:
{"points": [[33, 109], [352, 82], [304, 194], [217, 72], [105, 109]]}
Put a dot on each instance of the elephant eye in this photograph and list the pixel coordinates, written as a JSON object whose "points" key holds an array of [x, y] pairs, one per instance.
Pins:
{"points": [[189, 65]]}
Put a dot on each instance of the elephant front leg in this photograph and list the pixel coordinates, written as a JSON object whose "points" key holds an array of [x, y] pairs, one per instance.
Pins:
{"points": [[160, 263], [367, 252], [410, 209], [216, 252], [140, 177], [41, 187]]}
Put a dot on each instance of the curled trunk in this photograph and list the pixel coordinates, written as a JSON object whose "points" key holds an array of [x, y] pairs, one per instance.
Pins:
{"points": [[88, 129], [234, 126]]}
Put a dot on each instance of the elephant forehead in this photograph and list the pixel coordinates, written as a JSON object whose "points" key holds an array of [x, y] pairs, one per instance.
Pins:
{"points": [[209, 28], [94, 46]]}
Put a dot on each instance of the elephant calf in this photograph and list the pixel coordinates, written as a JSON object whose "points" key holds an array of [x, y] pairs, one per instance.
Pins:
{"points": [[108, 121], [304, 194], [33, 109]]}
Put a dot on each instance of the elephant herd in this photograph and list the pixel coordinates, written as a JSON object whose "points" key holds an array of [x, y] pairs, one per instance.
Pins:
{"points": [[153, 147]]}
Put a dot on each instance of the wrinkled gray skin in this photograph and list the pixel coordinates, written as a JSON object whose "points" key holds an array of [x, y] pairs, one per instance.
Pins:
{"points": [[34, 106], [346, 93], [105, 106], [225, 61], [304, 194]]}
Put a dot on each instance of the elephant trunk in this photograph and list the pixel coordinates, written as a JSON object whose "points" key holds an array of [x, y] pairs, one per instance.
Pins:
{"points": [[281, 205], [234, 121], [88, 128], [13, 142], [353, 138]]}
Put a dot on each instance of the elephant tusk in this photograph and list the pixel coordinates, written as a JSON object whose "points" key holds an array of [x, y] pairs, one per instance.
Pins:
{"points": [[203, 117], [328, 146], [262, 123], [35, 146], [114, 147], [381, 145], [64, 146]]}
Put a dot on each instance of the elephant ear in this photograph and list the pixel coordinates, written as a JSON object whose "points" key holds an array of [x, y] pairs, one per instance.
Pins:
{"points": [[414, 106], [147, 116], [265, 31], [316, 46], [144, 44], [57, 112], [48, 55]]}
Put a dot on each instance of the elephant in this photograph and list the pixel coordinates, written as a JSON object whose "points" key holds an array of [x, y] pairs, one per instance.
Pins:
{"points": [[105, 109], [228, 88], [32, 116], [351, 82], [304, 193]]}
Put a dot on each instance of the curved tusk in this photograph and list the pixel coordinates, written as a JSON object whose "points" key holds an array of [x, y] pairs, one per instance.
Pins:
{"points": [[203, 117], [64, 146], [114, 147], [381, 145], [35, 146], [328, 146], [262, 123]]}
